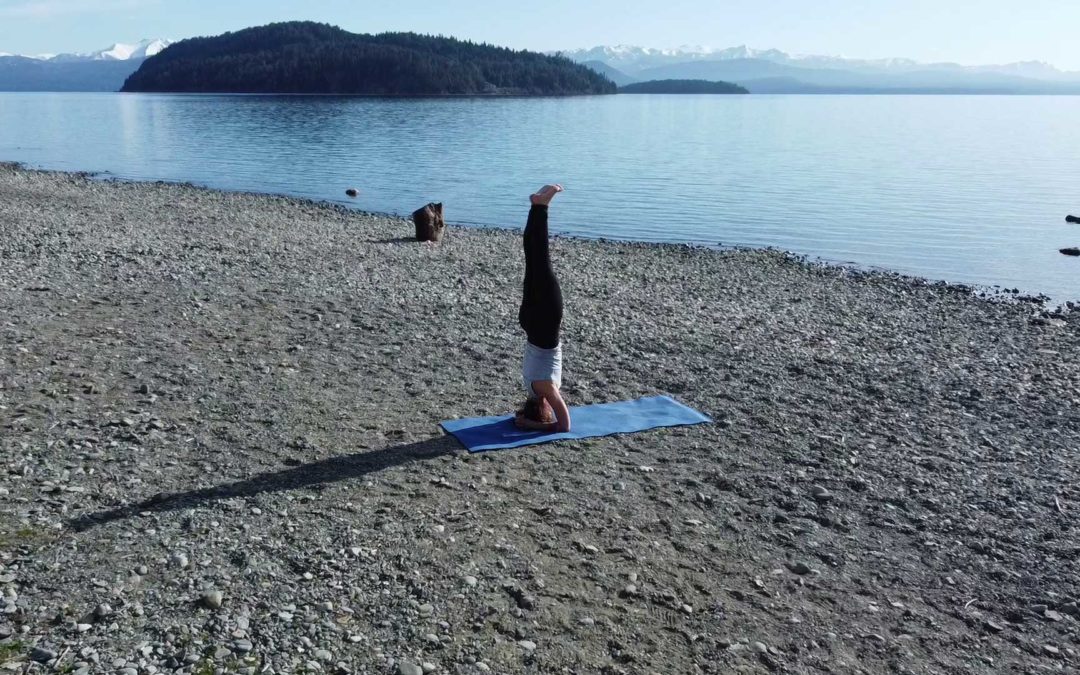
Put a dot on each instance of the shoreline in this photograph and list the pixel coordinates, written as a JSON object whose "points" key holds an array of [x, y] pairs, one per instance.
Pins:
{"points": [[218, 419], [991, 292]]}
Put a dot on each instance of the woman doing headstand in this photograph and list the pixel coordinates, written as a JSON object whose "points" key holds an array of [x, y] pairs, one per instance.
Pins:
{"points": [[541, 317]]}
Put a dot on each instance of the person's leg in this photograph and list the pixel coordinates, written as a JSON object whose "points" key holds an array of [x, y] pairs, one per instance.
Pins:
{"points": [[542, 302]]}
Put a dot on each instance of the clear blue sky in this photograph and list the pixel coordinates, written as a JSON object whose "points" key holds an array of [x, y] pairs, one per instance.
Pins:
{"points": [[965, 31]]}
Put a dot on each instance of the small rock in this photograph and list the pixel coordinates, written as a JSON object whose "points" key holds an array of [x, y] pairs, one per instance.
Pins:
{"points": [[102, 611], [432, 638], [213, 599], [1052, 615], [429, 667], [993, 626], [42, 655], [800, 568], [6, 632], [630, 591], [179, 559], [83, 627], [527, 645], [426, 610], [409, 668], [821, 494], [760, 647], [1051, 650], [470, 581], [243, 646], [352, 192], [483, 667], [587, 621], [323, 655]]}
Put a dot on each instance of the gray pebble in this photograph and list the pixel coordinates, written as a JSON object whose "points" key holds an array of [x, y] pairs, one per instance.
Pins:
{"points": [[821, 494], [42, 655], [213, 599], [800, 568], [409, 668], [527, 645], [243, 646]]}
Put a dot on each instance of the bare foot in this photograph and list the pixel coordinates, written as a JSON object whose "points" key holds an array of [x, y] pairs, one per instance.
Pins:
{"points": [[544, 195]]}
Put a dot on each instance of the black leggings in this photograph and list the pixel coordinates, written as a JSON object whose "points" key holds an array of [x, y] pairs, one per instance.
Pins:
{"points": [[541, 299]]}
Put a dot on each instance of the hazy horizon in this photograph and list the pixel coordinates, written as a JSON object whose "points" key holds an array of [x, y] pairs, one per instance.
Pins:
{"points": [[967, 32]]}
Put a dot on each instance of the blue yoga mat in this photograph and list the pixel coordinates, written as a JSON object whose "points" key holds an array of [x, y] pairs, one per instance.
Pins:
{"points": [[606, 419]]}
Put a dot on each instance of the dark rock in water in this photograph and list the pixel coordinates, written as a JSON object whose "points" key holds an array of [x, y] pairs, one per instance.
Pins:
{"points": [[429, 222], [352, 192], [1072, 219], [1071, 251]]}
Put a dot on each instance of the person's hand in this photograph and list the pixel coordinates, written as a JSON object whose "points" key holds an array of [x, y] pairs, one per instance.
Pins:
{"points": [[544, 195]]}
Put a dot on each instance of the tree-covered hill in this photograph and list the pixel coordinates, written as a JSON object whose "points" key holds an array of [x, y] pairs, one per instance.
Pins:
{"points": [[682, 87], [314, 58]]}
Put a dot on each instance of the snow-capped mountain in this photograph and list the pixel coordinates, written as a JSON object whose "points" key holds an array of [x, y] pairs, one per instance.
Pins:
{"points": [[118, 52], [632, 60], [774, 71], [103, 70], [139, 50]]}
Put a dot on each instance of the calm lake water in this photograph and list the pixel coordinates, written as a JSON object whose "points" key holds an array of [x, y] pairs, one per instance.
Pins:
{"points": [[968, 189]]}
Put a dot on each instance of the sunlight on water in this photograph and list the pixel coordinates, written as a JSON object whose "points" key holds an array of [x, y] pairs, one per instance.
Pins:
{"points": [[968, 189]]}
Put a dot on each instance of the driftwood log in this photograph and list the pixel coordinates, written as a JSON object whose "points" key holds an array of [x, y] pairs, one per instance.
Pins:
{"points": [[1071, 251], [1072, 219], [429, 222]]}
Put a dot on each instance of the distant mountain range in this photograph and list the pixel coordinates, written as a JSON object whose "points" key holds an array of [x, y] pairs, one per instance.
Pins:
{"points": [[759, 70], [102, 70], [774, 71]]}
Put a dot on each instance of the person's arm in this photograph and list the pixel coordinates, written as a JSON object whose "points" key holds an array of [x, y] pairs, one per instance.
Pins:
{"points": [[551, 393]]}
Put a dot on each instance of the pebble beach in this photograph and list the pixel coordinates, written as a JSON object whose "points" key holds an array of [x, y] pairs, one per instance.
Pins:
{"points": [[220, 453]]}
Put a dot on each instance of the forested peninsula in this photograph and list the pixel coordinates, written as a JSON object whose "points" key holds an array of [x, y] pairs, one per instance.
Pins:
{"points": [[682, 87], [314, 58]]}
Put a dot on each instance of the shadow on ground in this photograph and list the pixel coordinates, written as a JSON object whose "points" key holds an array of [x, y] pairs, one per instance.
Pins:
{"points": [[330, 470]]}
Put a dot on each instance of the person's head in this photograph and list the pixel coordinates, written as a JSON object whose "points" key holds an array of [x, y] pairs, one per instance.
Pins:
{"points": [[538, 410]]}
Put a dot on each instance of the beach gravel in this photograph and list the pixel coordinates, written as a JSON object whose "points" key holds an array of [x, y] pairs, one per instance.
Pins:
{"points": [[220, 453]]}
